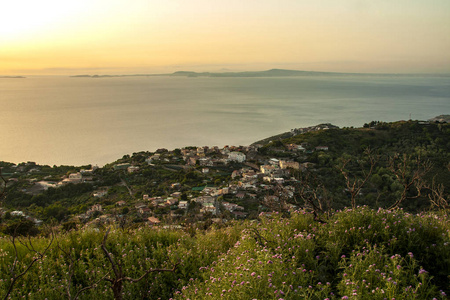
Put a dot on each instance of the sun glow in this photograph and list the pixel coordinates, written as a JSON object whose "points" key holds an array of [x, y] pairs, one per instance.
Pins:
{"points": [[22, 19]]}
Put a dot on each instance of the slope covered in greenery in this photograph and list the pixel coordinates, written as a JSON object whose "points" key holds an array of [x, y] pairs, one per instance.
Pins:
{"points": [[352, 254]]}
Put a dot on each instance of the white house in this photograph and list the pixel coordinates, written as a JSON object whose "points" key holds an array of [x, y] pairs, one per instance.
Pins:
{"points": [[237, 156], [183, 204]]}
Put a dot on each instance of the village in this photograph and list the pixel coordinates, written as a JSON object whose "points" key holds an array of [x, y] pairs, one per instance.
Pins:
{"points": [[233, 182], [315, 168], [255, 186]]}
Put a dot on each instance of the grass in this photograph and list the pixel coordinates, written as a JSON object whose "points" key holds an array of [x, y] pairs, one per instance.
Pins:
{"points": [[355, 254]]}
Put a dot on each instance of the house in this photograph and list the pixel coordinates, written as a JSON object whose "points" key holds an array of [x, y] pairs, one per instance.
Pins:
{"points": [[289, 164], [236, 156], [278, 180], [269, 169], [75, 177], [274, 162], [203, 199], [152, 158], [171, 201], [232, 206], [200, 151], [208, 207], [250, 175], [100, 193], [239, 214], [153, 221], [132, 169], [192, 161], [157, 201], [205, 162], [183, 204], [176, 195], [144, 210], [187, 152], [223, 191]]}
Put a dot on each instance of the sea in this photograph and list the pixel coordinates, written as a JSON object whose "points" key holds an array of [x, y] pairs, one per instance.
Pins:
{"points": [[60, 120]]}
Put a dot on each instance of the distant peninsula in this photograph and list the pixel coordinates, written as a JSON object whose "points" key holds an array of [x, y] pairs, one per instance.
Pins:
{"points": [[267, 73], [12, 77]]}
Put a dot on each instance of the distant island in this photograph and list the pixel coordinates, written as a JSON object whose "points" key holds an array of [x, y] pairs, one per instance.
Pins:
{"points": [[12, 77], [267, 73]]}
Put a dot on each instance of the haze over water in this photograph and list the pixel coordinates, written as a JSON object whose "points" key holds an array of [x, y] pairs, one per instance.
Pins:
{"points": [[75, 121]]}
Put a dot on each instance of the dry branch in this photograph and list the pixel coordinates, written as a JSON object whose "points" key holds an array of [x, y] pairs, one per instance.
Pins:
{"points": [[119, 278], [37, 256]]}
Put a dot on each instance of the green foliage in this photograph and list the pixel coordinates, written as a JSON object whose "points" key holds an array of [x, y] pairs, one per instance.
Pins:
{"points": [[357, 254], [21, 227]]}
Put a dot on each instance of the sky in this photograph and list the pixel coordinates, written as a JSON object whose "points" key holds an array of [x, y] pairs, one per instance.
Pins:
{"points": [[65, 37]]}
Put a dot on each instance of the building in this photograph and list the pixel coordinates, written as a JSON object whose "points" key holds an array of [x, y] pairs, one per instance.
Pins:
{"points": [[183, 204], [153, 221], [237, 156], [268, 169], [132, 169], [289, 164]]}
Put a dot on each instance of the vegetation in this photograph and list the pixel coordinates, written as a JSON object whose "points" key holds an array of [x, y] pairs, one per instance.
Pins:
{"points": [[355, 254], [361, 214]]}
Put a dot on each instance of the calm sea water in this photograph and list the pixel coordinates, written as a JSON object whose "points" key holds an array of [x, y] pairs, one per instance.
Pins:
{"points": [[63, 120]]}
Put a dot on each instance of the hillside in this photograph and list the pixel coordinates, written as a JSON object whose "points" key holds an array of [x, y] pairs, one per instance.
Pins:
{"points": [[317, 212], [353, 254], [407, 166]]}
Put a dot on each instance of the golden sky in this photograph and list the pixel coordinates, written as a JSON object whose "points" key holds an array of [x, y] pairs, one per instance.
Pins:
{"points": [[154, 36]]}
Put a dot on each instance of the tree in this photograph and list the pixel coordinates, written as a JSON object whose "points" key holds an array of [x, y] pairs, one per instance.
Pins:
{"points": [[70, 256], [314, 194], [355, 183], [119, 277], [410, 173], [21, 227], [14, 276], [437, 196]]}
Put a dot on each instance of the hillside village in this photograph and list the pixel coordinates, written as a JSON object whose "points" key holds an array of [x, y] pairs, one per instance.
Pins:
{"points": [[181, 187]]}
